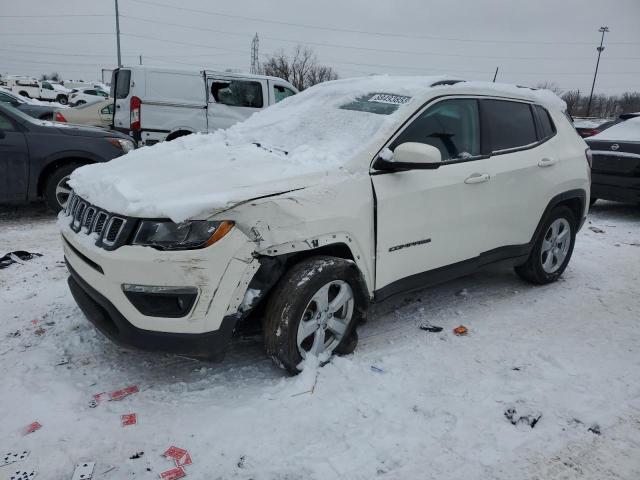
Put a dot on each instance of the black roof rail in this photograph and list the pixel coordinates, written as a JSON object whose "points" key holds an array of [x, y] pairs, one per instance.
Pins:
{"points": [[446, 82]]}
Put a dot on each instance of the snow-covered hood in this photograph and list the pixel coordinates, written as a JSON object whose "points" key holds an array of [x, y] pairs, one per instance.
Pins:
{"points": [[202, 175]]}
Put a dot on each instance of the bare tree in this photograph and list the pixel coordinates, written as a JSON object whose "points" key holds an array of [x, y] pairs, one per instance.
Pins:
{"points": [[53, 76], [601, 105], [550, 86], [301, 68]]}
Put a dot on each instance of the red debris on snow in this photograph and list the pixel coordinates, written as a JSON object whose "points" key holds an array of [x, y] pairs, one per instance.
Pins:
{"points": [[32, 427], [173, 474], [120, 394], [128, 419]]}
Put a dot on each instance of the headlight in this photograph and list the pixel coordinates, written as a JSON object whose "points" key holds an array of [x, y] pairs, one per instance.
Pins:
{"points": [[167, 235], [122, 144]]}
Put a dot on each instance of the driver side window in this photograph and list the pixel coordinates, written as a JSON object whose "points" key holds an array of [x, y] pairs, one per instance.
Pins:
{"points": [[452, 126]]}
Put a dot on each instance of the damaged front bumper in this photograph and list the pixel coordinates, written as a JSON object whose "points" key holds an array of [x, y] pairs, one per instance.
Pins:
{"points": [[216, 277]]}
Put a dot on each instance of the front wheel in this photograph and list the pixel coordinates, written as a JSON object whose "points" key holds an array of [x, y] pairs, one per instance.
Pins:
{"points": [[314, 310], [552, 249]]}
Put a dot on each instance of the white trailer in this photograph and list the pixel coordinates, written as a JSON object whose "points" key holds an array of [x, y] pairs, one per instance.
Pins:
{"points": [[154, 104]]}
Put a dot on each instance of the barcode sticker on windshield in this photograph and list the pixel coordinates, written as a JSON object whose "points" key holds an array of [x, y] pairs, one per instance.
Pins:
{"points": [[392, 99]]}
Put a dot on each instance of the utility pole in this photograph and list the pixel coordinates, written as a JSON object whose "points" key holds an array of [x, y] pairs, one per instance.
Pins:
{"points": [[140, 59], [255, 44], [595, 74], [118, 34], [495, 75]]}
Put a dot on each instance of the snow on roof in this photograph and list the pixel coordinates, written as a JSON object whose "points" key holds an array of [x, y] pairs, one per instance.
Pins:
{"points": [[626, 131], [332, 129]]}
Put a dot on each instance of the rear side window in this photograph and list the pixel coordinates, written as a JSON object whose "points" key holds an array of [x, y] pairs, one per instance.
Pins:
{"points": [[509, 124], [122, 82], [547, 128], [6, 125], [237, 93]]}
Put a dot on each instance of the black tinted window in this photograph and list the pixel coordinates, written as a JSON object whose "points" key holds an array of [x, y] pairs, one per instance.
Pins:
{"points": [[510, 124], [237, 93], [452, 126], [123, 79], [547, 128]]}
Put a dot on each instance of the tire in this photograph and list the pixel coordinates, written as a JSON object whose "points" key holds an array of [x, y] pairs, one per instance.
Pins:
{"points": [[296, 297], [592, 201], [552, 250], [53, 196], [80, 102], [62, 100], [25, 94]]}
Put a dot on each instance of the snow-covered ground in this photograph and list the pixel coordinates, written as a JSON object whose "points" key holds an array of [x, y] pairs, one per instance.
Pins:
{"points": [[433, 406]]}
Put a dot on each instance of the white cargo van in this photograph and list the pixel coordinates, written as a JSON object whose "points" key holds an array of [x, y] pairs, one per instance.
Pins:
{"points": [[154, 104]]}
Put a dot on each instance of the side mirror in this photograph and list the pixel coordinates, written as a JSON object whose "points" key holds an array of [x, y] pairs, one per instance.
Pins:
{"points": [[411, 156]]}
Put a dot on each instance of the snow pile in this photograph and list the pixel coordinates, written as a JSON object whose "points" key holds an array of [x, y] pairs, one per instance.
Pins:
{"points": [[299, 142], [627, 131]]}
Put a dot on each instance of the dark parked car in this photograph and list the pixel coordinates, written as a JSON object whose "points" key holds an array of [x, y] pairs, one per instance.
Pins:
{"points": [[43, 112], [37, 157], [615, 173]]}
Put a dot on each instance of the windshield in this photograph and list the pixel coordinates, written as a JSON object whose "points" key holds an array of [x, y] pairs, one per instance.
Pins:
{"points": [[334, 122]]}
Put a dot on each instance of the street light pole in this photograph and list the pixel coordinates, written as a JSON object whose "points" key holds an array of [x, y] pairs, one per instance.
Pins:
{"points": [[118, 34], [595, 74]]}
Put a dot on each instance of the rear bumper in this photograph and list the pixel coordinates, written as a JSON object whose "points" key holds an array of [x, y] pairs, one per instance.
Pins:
{"points": [[615, 187], [105, 317]]}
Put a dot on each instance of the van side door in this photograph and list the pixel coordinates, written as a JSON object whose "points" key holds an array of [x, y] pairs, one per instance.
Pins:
{"points": [[14, 161], [120, 87], [232, 100], [279, 91]]}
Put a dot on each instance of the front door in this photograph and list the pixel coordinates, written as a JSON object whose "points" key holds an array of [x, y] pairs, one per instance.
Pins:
{"points": [[14, 162], [427, 219], [234, 100]]}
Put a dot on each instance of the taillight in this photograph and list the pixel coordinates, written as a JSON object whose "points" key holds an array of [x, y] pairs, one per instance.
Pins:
{"points": [[588, 154], [58, 117], [135, 114], [589, 133]]}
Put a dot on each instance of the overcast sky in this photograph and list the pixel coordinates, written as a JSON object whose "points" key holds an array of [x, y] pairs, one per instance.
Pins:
{"points": [[530, 40]]}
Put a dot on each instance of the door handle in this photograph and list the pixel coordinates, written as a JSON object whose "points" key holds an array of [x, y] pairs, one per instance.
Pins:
{"points": [[547, 162], [478, 178]]}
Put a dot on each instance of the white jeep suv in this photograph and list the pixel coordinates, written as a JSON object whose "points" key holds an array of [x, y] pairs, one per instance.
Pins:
{"points": [[302, 215]]}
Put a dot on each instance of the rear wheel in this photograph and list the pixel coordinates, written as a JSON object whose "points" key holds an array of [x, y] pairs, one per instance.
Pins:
{"points": [[80, 102], [57, 190], [314, 310], [552, 250], [62, 100]]}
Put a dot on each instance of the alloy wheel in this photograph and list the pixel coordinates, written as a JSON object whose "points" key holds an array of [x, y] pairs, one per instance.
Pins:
{"points": [[555, 245]]}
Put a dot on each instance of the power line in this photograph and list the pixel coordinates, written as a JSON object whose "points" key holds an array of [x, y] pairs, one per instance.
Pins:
{"points": [[177, 42], [364, 32], [371, 49], [57, 15]]}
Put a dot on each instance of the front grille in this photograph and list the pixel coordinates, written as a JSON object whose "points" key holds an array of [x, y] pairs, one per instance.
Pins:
{"points": [[111, 231]]}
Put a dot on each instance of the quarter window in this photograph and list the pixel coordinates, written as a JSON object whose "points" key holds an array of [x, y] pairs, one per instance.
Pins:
{"points": [[510, 124], [452, 126], [237, 93], [547, 128]]}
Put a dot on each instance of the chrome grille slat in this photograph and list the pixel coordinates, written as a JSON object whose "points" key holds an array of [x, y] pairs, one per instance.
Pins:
{"points": [[89, 219]]}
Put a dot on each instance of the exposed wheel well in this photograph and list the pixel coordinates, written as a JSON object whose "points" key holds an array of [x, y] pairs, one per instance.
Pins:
{"points": [[272, 269], [24, 94], [53, 166], [177, 134]]}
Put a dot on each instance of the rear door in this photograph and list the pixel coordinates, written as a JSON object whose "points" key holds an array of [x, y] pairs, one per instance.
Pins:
{"points": [[522, 171], [121, 87], [14, 161], [232, 100]]}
